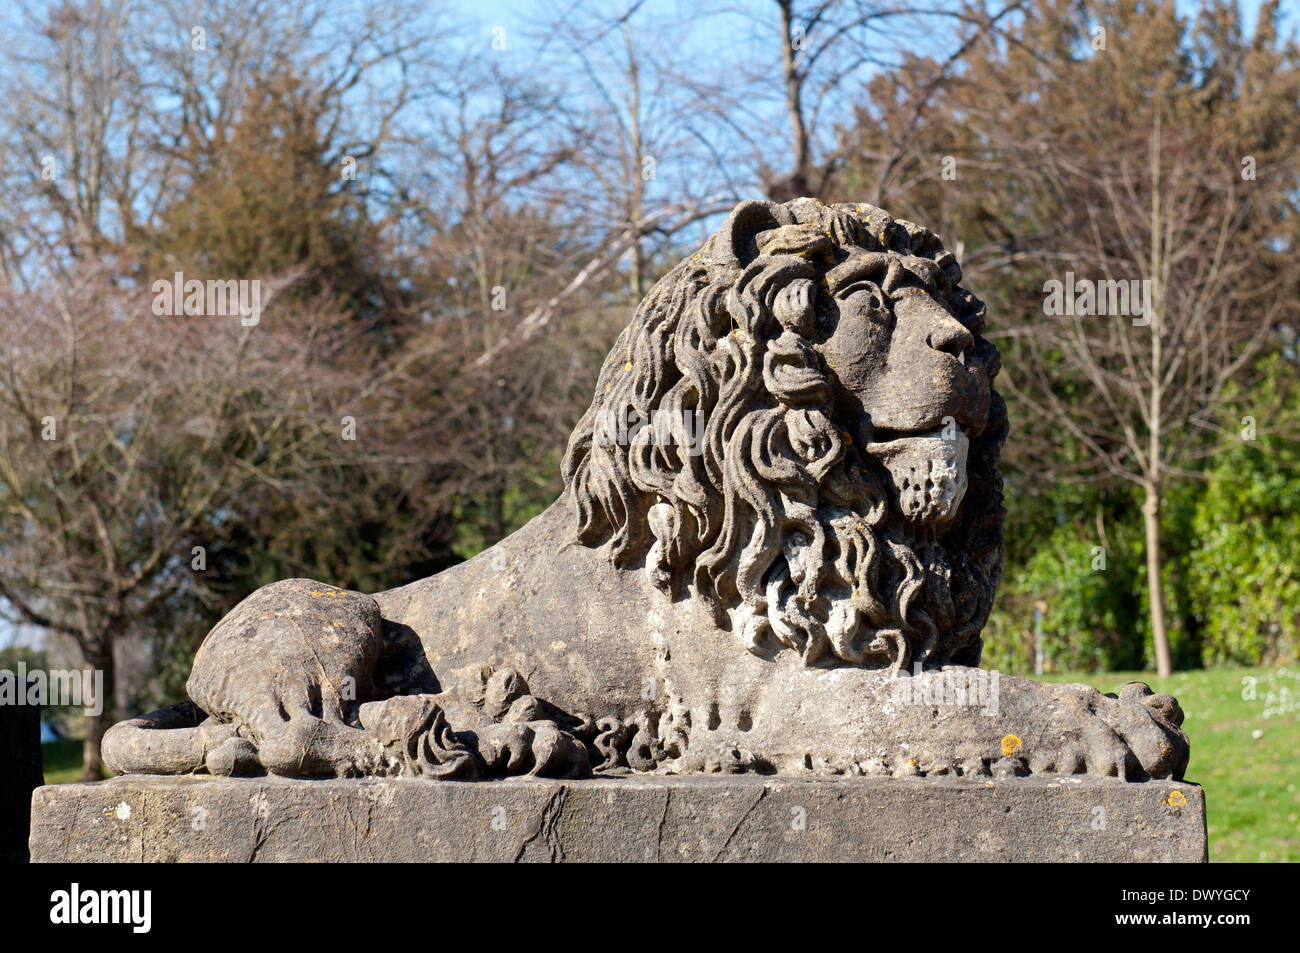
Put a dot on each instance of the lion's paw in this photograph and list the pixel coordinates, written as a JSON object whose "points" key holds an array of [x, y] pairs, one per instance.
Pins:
{"points": [[1134, 735], [539, 748], [1149, 724]]}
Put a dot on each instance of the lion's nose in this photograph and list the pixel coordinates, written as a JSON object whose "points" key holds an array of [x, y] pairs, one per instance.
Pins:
{"points": [[950, 336]]}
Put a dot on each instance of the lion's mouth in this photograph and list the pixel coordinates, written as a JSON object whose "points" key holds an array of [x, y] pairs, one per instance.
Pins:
{"points": [[928, 471]]}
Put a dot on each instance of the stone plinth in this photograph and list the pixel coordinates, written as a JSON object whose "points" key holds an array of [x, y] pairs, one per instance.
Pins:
{"points": [[639, 818]]}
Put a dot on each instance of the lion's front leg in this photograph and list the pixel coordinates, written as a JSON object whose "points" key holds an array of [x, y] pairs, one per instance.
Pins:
{"points": [[279, 680], [288, 684], [786, 717], [1006, 726]]}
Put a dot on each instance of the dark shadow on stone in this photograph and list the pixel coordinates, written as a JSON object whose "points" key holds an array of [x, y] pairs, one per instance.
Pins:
{"points": [[404, 669]]}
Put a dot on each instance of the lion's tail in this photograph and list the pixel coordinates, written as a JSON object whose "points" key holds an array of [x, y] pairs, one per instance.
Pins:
{"points": [[171, 740]]}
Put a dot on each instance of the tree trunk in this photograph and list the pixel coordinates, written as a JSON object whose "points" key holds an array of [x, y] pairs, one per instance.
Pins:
{"points": [[1154, 470], [1155, 592], [636, 170], [794, 98], [91, 758], [494, 529]]}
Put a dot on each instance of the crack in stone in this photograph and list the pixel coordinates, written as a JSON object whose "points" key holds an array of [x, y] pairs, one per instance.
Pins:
{"points": [[546, 824], [744, 817], [262, 832], [659, 839]]}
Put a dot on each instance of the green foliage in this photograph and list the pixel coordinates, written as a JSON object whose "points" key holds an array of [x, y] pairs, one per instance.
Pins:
{"points": [[1232, 554], [1075, 555], [266, 197], [483, 519], [62, 760], [1243, 563]]}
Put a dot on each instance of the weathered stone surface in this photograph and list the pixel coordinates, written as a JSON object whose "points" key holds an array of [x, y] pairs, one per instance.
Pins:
{"points": [[20, 766], [637, 818], [783, 495]]}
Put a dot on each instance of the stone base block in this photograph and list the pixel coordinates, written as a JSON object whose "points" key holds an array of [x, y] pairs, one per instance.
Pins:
{"points": [[639, 818]]}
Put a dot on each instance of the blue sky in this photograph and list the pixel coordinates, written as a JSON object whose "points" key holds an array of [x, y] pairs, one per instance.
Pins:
{"points": [[517, 15]]}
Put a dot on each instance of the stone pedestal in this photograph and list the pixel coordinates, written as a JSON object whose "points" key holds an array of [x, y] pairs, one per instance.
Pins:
{"points": [[638, 818], [20, 767]]}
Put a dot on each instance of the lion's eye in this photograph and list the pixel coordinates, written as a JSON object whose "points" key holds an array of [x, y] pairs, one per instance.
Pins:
{"points": [[875, 299]]}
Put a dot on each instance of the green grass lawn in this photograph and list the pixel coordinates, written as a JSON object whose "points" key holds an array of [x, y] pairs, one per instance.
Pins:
{"points": [[62, 760], [1245, 753]]}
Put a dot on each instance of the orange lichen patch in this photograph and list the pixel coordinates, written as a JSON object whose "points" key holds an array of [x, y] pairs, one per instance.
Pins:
{"points": [[627, 366], [332, 595], [1175, 799], [1010, 745]]}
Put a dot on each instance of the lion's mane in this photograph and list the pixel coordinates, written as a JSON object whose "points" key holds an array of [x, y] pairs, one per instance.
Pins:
{"points": [[780, 524]]}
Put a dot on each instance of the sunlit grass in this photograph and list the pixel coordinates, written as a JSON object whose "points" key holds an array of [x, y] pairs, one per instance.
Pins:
{"points": [[62, 760]]}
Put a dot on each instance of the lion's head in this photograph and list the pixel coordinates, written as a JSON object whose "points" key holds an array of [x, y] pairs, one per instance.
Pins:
{"points": [[841, 496]]}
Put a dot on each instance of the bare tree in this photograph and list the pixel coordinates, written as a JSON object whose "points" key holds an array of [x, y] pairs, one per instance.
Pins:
{"points": [[111, 106], [1165, 236], [1165, 243], [128, 439], [829, 50], [643, 166]]}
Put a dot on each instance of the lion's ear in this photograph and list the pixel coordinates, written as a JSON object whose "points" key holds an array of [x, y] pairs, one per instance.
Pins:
{"points": [[737, 241]]}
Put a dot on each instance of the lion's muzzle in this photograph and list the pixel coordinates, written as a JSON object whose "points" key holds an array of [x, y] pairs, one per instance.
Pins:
{"points": [[928, 474]]}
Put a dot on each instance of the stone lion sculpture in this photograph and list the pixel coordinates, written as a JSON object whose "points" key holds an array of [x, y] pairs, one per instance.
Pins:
{"points": [[779, 539]]}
